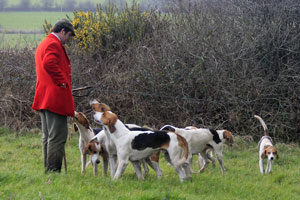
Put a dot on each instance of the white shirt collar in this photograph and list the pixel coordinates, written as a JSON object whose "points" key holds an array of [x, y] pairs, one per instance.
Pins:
{"points": [[55, 35]]}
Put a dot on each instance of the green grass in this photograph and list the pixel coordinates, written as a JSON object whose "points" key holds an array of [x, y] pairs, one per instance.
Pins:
{"points": [[32, 21], [20, 40], [58, 2], [25, 21], [22, 176]]}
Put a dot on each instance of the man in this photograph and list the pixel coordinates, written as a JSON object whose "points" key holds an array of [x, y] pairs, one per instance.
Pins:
{"points": [[53, 93]]}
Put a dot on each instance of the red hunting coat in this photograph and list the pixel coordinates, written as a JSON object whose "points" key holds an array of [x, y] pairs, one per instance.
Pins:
{"points": [[53, 69]]}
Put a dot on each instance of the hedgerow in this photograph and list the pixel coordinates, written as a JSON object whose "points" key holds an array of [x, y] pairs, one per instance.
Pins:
{"points": [[110, 29], [213, 64]]}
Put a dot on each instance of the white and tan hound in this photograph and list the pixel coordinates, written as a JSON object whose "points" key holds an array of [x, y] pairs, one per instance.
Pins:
{"points": [[266, 149], [86, 134]]}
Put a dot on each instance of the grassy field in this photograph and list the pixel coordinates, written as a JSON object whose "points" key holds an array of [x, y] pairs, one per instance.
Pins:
{"points": [[58, 2], [22, 176], [32, 21], [25, 21], [20, 40]]}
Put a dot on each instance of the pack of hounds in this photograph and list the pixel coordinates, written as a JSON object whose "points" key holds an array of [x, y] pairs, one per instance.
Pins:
{"points": [[117, 144]]}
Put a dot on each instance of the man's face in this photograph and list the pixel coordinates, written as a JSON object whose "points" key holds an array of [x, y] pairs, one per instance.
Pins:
{"points": [[65, 37]]}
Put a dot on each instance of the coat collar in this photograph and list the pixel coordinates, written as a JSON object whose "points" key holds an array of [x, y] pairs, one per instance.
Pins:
{"points": [[56, 36], [52, 36]]}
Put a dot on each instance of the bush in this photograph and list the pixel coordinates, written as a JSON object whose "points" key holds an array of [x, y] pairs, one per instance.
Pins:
{"points": [[214, 64], [104, 33]]}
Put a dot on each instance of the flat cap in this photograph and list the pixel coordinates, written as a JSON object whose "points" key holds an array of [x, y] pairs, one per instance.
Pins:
{"points": [[63, 24]]}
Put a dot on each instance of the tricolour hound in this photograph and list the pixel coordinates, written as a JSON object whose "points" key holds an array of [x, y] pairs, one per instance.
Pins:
{"points": [[266, 149], [137, 145], [86, 134], [152, 161], [201, 139]]}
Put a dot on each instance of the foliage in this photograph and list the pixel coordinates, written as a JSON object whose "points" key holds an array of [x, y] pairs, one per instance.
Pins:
{"points": [[47, 27], [20, 41], [111, 30], [106, 32], [213, 65]]}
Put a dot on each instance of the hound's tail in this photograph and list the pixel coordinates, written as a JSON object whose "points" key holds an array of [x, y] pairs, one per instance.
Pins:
{"points": [[184, 144], [263, 124]]}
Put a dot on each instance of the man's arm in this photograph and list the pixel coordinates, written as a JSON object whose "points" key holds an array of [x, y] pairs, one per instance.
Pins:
{"points": [[50, 63]]}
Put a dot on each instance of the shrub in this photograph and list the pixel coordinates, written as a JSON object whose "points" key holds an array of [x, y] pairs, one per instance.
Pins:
{"points": [[105, 33], [215, 65]]}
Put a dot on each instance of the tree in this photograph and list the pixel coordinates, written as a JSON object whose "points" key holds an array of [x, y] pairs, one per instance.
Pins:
{"points": [[88, 5], [24, 5], [3, 4], [47, 4], [119, 3], [69, 5]]}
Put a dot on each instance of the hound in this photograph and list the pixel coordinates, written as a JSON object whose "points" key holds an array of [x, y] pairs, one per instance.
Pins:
{"points": [[110, 146], [266, 149], [226, 138], [86, 134], [102, 139], [137, 145], [96, 149], [201, 139], [209, 153], [153, 160]]}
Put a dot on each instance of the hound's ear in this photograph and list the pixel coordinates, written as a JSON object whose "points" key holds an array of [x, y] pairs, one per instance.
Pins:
{"points": [[87, 149], [111, 126], [101, 149], [228, 136], [112, 121], [75, 127], [109, 119], [86, 123], [263, 155], [276, 153]]}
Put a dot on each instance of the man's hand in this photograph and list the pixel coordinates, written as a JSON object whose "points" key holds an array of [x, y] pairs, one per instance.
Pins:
{"points": [[62, 85]]}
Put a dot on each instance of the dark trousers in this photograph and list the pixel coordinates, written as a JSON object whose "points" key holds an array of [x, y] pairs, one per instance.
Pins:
{"points": [[55, 133]]}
